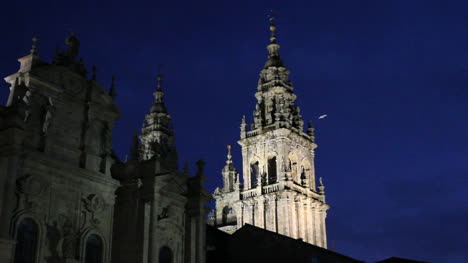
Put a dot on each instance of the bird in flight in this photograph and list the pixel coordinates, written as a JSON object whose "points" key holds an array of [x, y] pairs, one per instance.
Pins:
{"points": [[322, 116]]}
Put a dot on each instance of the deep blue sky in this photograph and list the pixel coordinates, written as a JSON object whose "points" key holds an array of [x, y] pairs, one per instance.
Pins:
{"points": [[390, 75]]}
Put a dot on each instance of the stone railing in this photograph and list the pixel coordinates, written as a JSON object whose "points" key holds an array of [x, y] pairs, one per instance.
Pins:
{"points": [[271, 188], [248, 193], [252, 133]]}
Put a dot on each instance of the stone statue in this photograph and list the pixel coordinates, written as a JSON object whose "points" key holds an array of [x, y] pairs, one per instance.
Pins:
{"points": [[53, 238], [50, 109], [69, 242], [27, 103]]}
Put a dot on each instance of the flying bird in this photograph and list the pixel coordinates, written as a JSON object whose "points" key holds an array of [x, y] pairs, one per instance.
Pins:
{"points": [[322, 116]]}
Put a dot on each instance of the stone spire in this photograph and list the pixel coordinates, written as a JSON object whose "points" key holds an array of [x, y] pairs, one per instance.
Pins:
{"points": [[29, 61], [157, 136], [278, 191], [274, 59], [229, 166], [230, 175], [275, 107]]}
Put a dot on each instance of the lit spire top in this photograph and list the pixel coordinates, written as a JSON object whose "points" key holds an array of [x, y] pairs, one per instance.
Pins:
{"points": [[157, 135], [159, 105], [274, 59], [271, 17], [229, 156], [229, 165]]}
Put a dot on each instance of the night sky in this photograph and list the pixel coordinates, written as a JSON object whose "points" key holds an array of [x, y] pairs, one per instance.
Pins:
{"points": [[390, 75]]}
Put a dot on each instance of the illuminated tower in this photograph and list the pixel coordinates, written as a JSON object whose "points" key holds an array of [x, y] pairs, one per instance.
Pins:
{"points": [[278, 190]]}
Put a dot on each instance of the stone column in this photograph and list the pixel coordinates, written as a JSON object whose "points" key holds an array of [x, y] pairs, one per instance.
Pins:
{"points": [[283, 216], [323, 215], [300, 219], [292, 218], [260, 215], [269, 214], [246, 168], [311, 226], [240, 215], [317, 228], [305, 216], [247, 213]]}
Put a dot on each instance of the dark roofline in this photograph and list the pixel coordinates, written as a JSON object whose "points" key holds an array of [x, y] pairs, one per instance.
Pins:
{"points": [[247, 227], [397, 258]]}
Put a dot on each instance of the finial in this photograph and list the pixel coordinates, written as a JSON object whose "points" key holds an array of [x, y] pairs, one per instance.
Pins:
{"points": [[229, 156], [112, 92], [159, 85], [34, 47], [321, 187], [271, 18], [94, 72], [159, 77]]}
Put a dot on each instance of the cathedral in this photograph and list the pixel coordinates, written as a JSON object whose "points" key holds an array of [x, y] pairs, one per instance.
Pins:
{"points": [[65, 197], [278, 190]]}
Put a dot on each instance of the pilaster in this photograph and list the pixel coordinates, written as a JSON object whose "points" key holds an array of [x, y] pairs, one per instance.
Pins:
{"points": [[7, 247], [323, 215], [292, 217]]}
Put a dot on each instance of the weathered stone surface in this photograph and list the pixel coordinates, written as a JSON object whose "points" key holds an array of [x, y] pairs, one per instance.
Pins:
{"points": [[56, 157], [278, 190]]}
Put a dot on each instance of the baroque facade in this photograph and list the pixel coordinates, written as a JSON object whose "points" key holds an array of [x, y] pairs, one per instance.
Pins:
{"points": [[65, 196], [278, 190]]}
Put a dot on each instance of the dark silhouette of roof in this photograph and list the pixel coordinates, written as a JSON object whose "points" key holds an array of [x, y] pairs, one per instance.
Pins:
{"points": [[400, 260], [253, 244]]}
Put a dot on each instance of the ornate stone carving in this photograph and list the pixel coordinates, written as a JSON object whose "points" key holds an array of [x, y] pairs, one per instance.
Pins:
{"points": [[62, 241], [27, 100], [93, 204], [29, 190]]}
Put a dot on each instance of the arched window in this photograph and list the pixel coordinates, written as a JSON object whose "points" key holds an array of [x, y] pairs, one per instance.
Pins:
{"points": [[229, 216], [272, 170], [165, 255], [94, 249], [26, 238], [253, 174]]}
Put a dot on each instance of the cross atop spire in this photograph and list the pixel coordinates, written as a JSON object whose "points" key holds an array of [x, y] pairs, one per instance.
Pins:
{"points": [[271, 17], [274, 59]]}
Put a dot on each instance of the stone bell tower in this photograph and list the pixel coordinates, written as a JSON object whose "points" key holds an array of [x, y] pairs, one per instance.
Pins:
{"points": [[278, 190]]}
